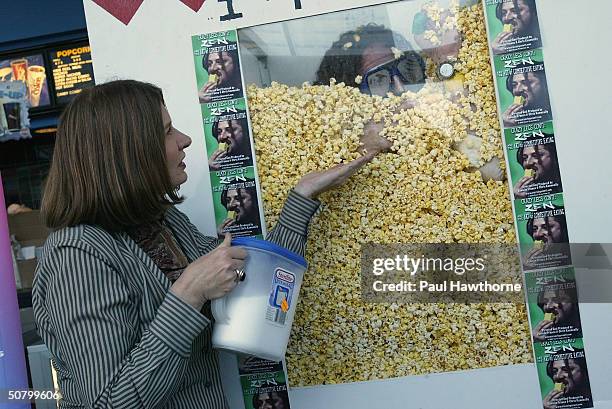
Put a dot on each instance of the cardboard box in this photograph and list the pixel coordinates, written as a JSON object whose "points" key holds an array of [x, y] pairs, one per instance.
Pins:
{"points": [[29, 230]]}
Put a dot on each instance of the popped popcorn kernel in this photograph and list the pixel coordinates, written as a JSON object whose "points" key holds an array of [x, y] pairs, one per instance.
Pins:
{"points": [[424, 191]]}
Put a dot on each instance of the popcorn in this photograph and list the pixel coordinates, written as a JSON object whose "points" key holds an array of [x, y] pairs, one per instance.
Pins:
{"points": [[223, 146], [348, 45], [231, 214], [213, 78], [397, 53], [519, 100], [529, 172], [549, 316], [358, 79], [508, 28], [538, 244], [423, 192], [559, 386]]}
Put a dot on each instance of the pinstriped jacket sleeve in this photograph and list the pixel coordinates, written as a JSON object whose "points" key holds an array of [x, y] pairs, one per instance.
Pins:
{"points": [[115, 365], [290, 231]]}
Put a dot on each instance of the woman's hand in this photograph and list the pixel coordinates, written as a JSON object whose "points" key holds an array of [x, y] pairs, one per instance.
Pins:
{"points": [[372, 144], [211, 276], [371, 141]]}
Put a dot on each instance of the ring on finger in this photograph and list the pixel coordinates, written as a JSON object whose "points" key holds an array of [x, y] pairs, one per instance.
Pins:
{"points": [[240, 275]]}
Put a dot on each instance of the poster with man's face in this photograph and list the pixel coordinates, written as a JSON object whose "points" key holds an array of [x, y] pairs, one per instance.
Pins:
{"points": [[542, 229], [553, 304], [534, 166], [563, 374], [217, 66], [522, 87], [264, 384], [227, 135], [236, 202], [513, 25]]}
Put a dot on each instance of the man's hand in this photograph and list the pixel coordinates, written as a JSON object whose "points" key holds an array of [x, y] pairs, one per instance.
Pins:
{"points": [[508, 115], [540, 328], [550, 398], [225, 224], [520, 185], [213, 160], [497, 44], [205, 91]]}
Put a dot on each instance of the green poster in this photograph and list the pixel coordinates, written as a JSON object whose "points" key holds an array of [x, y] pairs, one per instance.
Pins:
{"points": [[513, 25], [217, 64], [533, 162], [522, 88], [263, 382], [542, 231], [553, 304], [236, 203], [563, 374], [227, 134]]}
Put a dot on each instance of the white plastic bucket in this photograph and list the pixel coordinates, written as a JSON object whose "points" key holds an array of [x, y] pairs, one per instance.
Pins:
{"points": [[256, 317]]}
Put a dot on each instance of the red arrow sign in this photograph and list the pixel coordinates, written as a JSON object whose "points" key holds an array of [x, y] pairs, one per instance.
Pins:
{"points": [[124, 10], [193, 4]]}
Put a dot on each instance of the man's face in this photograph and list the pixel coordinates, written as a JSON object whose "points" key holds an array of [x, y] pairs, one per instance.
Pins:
{"points": [[519, 18], [222, 65], [550, 232], [240, 201], [540, 160], [231, 133], [529, 87], [570, 374], [270, 401], [560, 304], [382, 82]]}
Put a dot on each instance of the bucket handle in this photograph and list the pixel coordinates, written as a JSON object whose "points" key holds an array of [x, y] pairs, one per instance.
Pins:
{"points": [[219, 310]]}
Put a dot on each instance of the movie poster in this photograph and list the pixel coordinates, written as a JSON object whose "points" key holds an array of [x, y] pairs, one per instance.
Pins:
{"points": [[513, 25], [542, 229], [522, 88], [263, 382], [563, 374], [236, 202], [534, 165], [227, 134], [217, 65], [553, 304]]}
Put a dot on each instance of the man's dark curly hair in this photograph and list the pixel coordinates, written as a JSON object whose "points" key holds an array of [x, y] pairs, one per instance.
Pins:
{"points": [[551, 148], [560, 218], [581, 362], [232, 53], [343, 63], [515, 70], [534, 26], [282, 395]]}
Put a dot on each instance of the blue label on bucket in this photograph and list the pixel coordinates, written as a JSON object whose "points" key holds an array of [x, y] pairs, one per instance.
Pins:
{"points": [[281, 296]]}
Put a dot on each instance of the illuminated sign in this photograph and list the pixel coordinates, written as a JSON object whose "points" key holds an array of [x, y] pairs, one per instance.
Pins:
{"points": [[72, 71]]}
